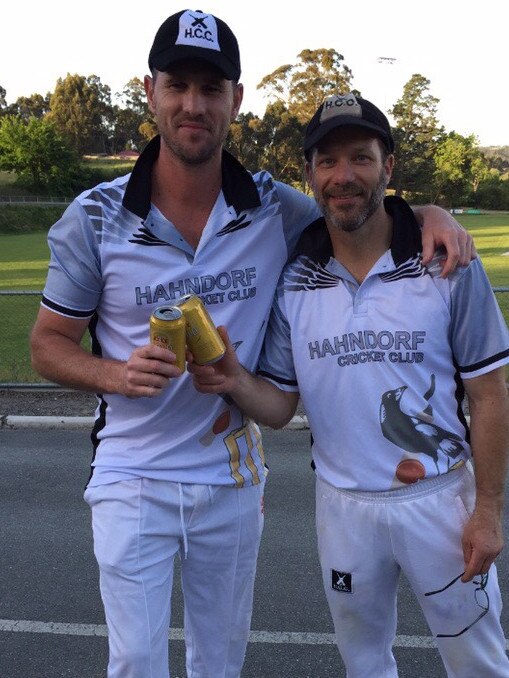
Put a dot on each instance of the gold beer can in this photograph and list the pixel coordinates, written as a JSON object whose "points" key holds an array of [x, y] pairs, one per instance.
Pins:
{"points": [[168, 330], [202, 337]]}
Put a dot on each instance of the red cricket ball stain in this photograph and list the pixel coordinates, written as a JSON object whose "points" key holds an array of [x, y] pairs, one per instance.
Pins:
{"points": [[221, 423], [410, 471]]}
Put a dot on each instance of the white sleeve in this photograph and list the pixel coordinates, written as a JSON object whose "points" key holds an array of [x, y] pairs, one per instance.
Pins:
{"points": [[74, 282], [276, 360], [479, 334]]}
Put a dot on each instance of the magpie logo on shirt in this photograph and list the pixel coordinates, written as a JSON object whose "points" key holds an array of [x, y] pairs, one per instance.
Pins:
{"points": [[342, 581]]}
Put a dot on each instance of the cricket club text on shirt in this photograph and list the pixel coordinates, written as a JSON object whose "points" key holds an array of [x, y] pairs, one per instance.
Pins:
{"points": [[235, 285], [359, 348]]}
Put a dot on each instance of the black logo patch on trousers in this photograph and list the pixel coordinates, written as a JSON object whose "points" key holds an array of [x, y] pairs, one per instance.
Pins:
{"points": [[342, 581]]}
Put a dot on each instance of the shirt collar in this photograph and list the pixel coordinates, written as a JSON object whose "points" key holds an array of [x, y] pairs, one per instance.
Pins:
{"points": [[238, 186], [406, 240]]}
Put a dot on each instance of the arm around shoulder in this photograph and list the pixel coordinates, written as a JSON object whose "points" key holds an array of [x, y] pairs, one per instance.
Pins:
{"points": [[439, 228]]}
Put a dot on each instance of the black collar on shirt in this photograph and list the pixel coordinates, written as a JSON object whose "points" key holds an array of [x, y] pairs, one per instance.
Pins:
{"points": [[406, 242], [238, 185]]}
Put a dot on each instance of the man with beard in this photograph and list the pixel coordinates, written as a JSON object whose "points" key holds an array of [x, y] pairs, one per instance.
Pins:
{"points": [[173, 471], [382, 350]]}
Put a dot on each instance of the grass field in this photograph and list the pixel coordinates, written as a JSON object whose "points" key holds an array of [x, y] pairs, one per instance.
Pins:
{"points": [[491, 238], [24, 259]]}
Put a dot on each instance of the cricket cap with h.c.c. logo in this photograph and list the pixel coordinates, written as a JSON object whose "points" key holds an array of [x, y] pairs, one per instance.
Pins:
{"points": [[195, 35], [338, 110]]}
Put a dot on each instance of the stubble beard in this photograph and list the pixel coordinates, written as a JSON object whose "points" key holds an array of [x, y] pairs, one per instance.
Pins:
{"points": [[352, 222], [190, 156]]}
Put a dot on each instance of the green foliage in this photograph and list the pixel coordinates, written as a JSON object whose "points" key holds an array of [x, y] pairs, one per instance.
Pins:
{"points": [[492, 193], [28, 218], [92, 171], [303, 86], [34, 106], [131, 123], [274, 143], [430, 164], [416, 135], [38, 155], [244, 142], [497, 157], [459, 168], [81, 110], [279, 137]]}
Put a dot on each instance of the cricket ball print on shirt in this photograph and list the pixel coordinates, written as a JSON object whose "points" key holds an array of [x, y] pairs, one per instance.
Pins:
{"points": [[416, 433]]}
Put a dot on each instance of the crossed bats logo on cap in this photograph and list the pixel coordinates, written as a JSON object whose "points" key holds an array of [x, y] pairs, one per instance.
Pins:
{"points": [[199, 21]]}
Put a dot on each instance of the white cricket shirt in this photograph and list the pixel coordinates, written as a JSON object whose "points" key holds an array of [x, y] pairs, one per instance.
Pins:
{"points": [[115, 258], [379, 366]]}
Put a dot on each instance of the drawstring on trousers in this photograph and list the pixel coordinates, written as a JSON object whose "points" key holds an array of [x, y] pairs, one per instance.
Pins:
{"points": [[182, 523], [182, 520]]}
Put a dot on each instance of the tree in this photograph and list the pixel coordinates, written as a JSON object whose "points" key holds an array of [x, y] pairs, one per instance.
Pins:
{"points": [[279, 138], [497, 157], [82, 112], [416, 135], [492, 193], [133, 97], [128, 121], [3, 100], [303, 86], [34, 106], [243, 141], [37, 154], [459, 168], [295, 92]]}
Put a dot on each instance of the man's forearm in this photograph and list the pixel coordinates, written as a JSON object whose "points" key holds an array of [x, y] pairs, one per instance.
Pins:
{"points": [[483, 537], [64, 362], [489, 433], [262, 401]]}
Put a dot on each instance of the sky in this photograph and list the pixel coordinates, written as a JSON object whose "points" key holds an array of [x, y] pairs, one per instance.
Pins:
{"points": [[461, 48]]}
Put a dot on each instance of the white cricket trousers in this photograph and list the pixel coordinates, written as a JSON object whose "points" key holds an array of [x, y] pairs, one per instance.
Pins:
{"points": [[139, 526], [365, 539]]}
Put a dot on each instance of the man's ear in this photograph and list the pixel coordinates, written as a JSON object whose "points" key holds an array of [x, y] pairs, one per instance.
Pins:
{"points": [[309, 174], [389, 166], [148, 83], [238, 95]]}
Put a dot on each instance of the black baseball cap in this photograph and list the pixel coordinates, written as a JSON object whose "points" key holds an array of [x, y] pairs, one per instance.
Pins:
{"points": [[346, 109], [195, 35]]}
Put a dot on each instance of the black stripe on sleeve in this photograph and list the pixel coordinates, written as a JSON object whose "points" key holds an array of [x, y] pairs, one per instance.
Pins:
{"points": [[64, 310], [288, 382], [484, 363]]}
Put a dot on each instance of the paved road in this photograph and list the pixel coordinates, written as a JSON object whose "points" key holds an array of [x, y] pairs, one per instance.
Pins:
{"points": [[51, 620]]}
